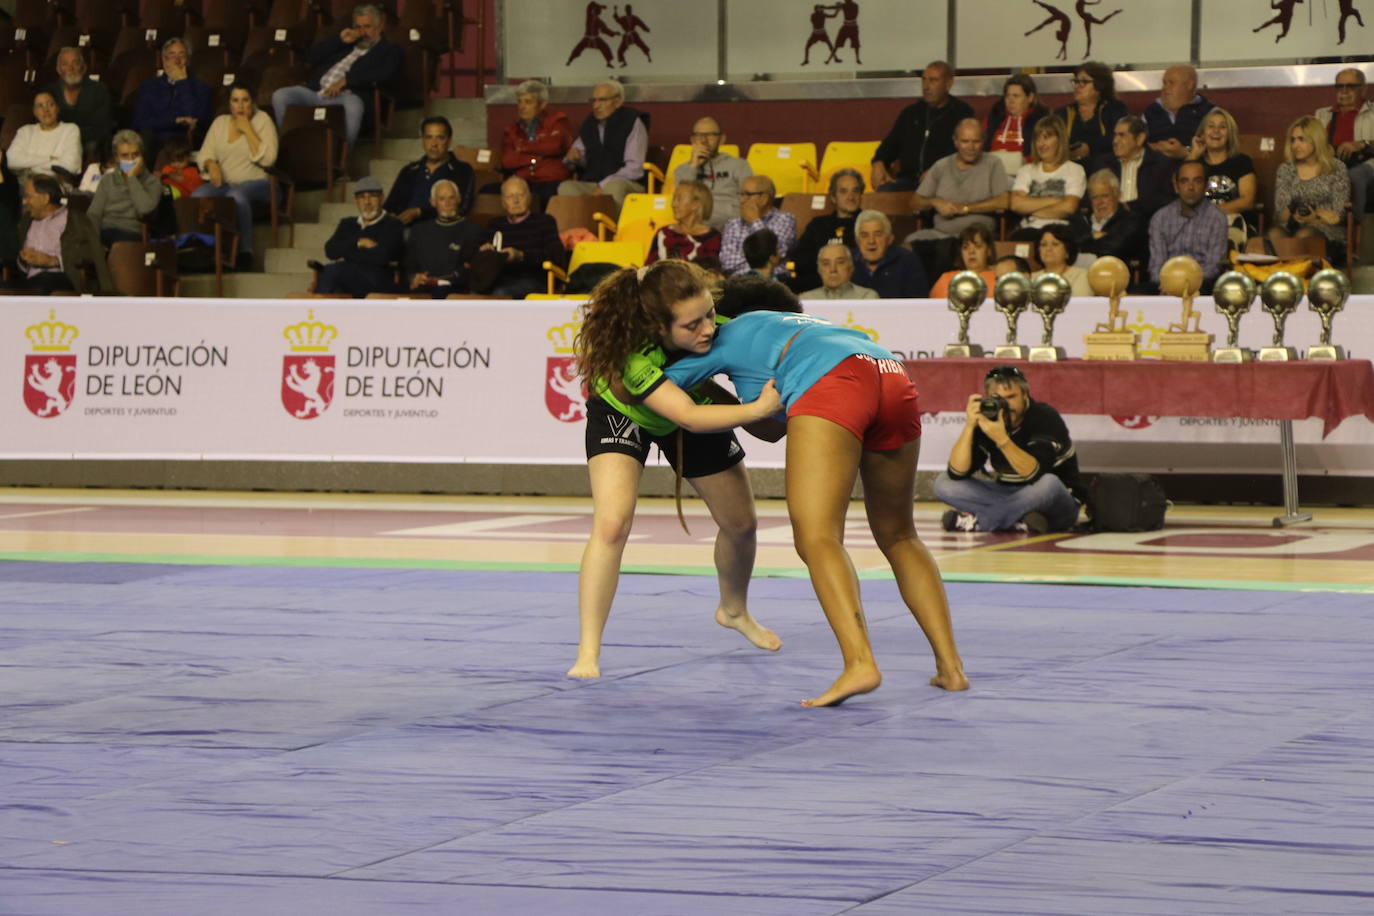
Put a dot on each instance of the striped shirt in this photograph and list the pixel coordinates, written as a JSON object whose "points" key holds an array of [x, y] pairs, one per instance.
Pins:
{"points": [[1200, 235]]}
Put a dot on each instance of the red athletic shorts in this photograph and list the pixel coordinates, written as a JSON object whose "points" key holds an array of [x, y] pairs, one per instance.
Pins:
{"points": [[872, 398]]}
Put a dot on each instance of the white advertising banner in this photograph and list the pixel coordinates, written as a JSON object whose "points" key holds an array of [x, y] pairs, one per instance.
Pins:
{"points": [[492, 382], [1257, 30], [1002, 34], [805, 38], [572, 41]]}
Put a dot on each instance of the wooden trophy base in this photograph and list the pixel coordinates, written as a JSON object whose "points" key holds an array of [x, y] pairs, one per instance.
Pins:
{"points": [[1120, 345], [1325, 353], [1011, 351], [1277, 354], [1047, 354], [1232, 355], [962, 351], [1186, 346]]}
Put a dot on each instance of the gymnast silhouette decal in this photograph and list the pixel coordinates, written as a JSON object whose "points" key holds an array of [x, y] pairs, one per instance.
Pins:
{"points": [[1283, 17], [1056, 15], [1348, 10], [1089, 20]]}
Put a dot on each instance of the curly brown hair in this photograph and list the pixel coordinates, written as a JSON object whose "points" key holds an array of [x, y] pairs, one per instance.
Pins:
{"points": [[625, 311]]}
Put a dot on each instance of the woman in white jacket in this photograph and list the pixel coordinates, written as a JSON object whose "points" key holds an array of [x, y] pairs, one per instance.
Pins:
{"points": [[237, 148], [51, 142]]}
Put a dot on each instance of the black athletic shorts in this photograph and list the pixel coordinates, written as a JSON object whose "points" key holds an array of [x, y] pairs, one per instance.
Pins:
{"points": [[704, 454]]}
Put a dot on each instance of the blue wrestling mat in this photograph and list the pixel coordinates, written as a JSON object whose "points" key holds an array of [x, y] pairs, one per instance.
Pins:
{"points": [[225, 740]]}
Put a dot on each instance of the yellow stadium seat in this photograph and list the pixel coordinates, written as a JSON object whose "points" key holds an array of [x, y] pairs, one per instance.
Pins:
{"points": [[640, 217], [681, 153], [622, 254], [847, 154], [786, 163], [577, 297]]}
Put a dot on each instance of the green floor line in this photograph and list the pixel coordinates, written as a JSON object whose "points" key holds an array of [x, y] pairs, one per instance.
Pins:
{"points": [[880, 575]]}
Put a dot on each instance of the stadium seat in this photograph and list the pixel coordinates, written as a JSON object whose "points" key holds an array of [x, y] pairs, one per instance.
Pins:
{"points": [[682, 153], [846, 154], [578, 211], [145, 269], [622, 254], [785, 163], [804, 208], [640, 217]]}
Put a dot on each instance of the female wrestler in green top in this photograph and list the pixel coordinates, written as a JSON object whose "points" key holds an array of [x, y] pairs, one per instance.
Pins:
{"points": [[630, 328]]}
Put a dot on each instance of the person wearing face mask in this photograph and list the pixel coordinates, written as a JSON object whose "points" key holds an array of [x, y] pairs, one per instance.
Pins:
{"points": [[363, 248], [126, 194], [237, 149]]}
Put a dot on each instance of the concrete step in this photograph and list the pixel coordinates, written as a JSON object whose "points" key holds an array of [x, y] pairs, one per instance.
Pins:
{"points": [[1363, 282], [309, 237], [251, 285], [292, 260], [331, 213]]}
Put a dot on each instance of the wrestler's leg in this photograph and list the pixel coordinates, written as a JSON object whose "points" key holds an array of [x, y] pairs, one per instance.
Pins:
{"points": [[615, 490], [731, 501], [822, 462], [889, 480]]}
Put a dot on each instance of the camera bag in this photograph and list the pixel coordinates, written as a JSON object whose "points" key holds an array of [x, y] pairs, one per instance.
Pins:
{"points": [[1126, 502]]}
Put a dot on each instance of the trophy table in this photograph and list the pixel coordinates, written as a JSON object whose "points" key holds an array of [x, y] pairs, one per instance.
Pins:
{"points": [[1327, 293], [1186, 341], [1234, 293], [1012, 295], [1281, 292], [967, 290], [1050, 295], [1108, 277]]}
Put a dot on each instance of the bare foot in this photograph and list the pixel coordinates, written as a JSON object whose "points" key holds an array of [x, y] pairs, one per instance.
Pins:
{"points": [[863, 679], [950, 680], [585, 667], [750, 629]]}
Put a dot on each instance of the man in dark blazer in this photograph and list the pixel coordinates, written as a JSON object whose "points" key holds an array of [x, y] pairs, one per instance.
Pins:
{"points": [[1145, 177], [1108, 228]]}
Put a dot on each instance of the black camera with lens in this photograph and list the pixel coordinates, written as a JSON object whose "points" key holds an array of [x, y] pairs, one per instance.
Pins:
{"points": [[993, 406]]}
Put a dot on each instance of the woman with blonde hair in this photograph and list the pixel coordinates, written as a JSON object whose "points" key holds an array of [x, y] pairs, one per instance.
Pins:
{"points": [[633, 321], [1230, 174], [1311, 189], [1048, 188], [690, 237]]}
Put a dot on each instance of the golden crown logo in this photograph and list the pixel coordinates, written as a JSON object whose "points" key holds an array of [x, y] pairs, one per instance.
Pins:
{"points": [[51, 336], [310, 336], [562, 336], [849, 323], [1149, 335]]}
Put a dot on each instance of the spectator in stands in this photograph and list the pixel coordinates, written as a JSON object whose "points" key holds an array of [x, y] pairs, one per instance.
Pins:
{"points": [[1108, 228], [49, 144], [835, 267], [1145, 176], [174, 104], [1092, 115], [344, 69], [237, 149], [439, 249], [1191, 225], [1057, 251], [1231, 181], [1033, 478], [1350, 132], [84, 102], [1048, 188], [890, 270], [1174, 116], [534, 144], [125, 195], [10, 208], [180, 174], [610, 148], [720, 172], [1311, 189], [409, 199], [58, 242], [364, 249], [761, 253], [964, 189], [516, 245], [1011, 122], [922, 134], [756, 211], [846, 195], [976, 251], [1011, 263], [691, 236]]}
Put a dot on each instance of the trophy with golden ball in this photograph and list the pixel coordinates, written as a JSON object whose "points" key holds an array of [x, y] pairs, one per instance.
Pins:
{"points": [[1327, 293], [1050, 294], [1011, 293], [1280, 292], [967, 290], [1186, 341], [1234, 293], [1108, 277]]}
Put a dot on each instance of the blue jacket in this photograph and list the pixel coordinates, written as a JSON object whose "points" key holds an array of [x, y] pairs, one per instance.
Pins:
{"points": [[161, 102], [899, 275]]}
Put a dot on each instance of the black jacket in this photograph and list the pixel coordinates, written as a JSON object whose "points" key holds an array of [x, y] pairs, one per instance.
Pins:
{"points": [[387, 232], [1154, 182], [920, 136], [412, 185], [380, 66], [1125, 235]]}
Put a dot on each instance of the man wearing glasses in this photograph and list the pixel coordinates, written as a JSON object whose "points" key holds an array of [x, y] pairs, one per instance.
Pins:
{"points": [[756, 211], [1350, 128], [1031, 469], [609, 149], [720, 172]]}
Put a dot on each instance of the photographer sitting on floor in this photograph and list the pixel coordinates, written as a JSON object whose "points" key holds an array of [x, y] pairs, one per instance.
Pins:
{"points": [[1034, 471]]}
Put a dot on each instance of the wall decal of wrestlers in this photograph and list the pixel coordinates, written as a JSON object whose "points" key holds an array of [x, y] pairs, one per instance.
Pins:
{"points": [[630, 26], [1283, 17], [1064, 25], [848, 33]]}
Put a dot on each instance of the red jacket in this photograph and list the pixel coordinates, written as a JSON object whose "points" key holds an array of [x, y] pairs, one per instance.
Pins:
{"points": [[540, 159]]}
